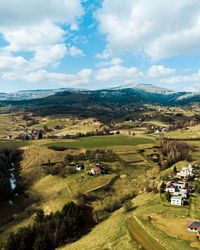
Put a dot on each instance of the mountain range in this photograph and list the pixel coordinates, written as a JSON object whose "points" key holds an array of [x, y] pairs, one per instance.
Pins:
{"points": [[146, 93]]}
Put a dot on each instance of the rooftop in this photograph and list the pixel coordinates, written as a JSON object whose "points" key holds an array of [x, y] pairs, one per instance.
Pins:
{"points": [[176, 197], [96, 169], [193, 224]]}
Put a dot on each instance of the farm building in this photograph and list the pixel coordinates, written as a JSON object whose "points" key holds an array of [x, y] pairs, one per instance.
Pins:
{"points": [[186, 172], [177, 188], [177, 200], [77, 166], [193, 226], [96, 170]]}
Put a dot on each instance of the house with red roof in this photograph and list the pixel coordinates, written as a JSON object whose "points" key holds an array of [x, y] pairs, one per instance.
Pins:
{"points": [[177, 188], [96, 170]]}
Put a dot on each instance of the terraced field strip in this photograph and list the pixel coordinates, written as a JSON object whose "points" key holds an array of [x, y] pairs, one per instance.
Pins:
{"points": [[103, 141], [138, 233]]}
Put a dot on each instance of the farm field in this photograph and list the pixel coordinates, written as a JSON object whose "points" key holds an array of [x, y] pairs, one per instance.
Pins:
{"points": [[103, 141]]}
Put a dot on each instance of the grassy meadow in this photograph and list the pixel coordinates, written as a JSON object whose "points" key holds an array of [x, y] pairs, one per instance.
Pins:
{"points": [[103, 141]]}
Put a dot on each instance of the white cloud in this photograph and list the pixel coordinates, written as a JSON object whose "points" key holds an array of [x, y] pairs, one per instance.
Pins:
{"points": [[159, 71], [30, 38], [160, 29], [74, 51], [34, 26], [16, 13], [41, 76], [48, 55], [114, 61], [10, 63], [119, 74], [194, 78]]}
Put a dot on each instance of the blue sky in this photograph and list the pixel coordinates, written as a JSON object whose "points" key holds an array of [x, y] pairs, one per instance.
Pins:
{"points": [[99, 43]]}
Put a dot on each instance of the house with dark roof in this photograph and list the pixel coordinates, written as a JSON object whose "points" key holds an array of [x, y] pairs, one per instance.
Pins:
{"points": [[193, 226]]}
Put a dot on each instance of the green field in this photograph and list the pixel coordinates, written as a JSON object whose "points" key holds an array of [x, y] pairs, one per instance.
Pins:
{"points": [[103, 141], [14, 144]]}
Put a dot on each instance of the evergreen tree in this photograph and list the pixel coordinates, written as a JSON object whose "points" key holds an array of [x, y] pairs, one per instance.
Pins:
{"points": [[168, 196]]}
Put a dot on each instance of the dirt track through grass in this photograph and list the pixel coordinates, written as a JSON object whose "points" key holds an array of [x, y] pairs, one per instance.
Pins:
{"points": [[141, 236]]}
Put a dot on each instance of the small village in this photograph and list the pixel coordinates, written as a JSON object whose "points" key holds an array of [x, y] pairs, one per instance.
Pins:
{"points": [[177, 192]]}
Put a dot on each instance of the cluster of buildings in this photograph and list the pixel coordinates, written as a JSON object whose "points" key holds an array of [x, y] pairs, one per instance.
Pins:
{"points": [[186, 172], [76, 166], [157, 130], [80, 166], [178, 190]]}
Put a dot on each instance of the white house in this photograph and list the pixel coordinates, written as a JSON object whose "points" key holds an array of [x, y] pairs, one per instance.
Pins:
{"points": [[178, 188], [184, 193], [170, 187], [186, 172], [177, 200], [95, 170]]}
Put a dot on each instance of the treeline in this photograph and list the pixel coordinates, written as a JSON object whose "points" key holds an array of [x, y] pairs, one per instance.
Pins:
{"points": [[175, 152], [104, 131], [93, 156], [53, 230], [183, 123], [9, 158]]}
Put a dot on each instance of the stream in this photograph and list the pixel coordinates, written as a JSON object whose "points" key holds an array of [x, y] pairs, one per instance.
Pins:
{"points": [[12, 180]]}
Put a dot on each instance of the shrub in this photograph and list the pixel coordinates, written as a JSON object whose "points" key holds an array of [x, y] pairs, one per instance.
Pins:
{"points": [[58, 169], [128, 205]]}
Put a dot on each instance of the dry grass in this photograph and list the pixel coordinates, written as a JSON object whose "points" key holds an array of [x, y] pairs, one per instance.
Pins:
{"points": [[110, 234], [173, 227]]}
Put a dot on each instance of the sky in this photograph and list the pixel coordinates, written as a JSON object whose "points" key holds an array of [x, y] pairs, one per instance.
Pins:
{"points": [[95, 44]]}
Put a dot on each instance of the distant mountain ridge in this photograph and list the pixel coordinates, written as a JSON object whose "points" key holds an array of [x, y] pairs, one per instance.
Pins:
{"points": [[32, 94], [132, 93], [146, 87]]}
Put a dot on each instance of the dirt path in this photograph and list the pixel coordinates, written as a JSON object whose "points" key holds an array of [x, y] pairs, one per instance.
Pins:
{"points": [[144, 238]]}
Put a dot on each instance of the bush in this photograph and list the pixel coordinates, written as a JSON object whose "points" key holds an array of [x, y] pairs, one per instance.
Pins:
{"points": [[58, 169], [128, 205]]}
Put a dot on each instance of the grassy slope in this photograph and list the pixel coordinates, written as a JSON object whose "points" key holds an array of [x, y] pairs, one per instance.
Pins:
{"points": [[142, 236], [113, 234], [110, 234], [104, 141]]}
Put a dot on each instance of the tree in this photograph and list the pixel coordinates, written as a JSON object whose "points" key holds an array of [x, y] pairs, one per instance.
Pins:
{"points": [[128, 205], [39, 216], [174, 170], [26, 138], [168, 196], [197, 188], [40, 135], [40, 243], [162, 187]]}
